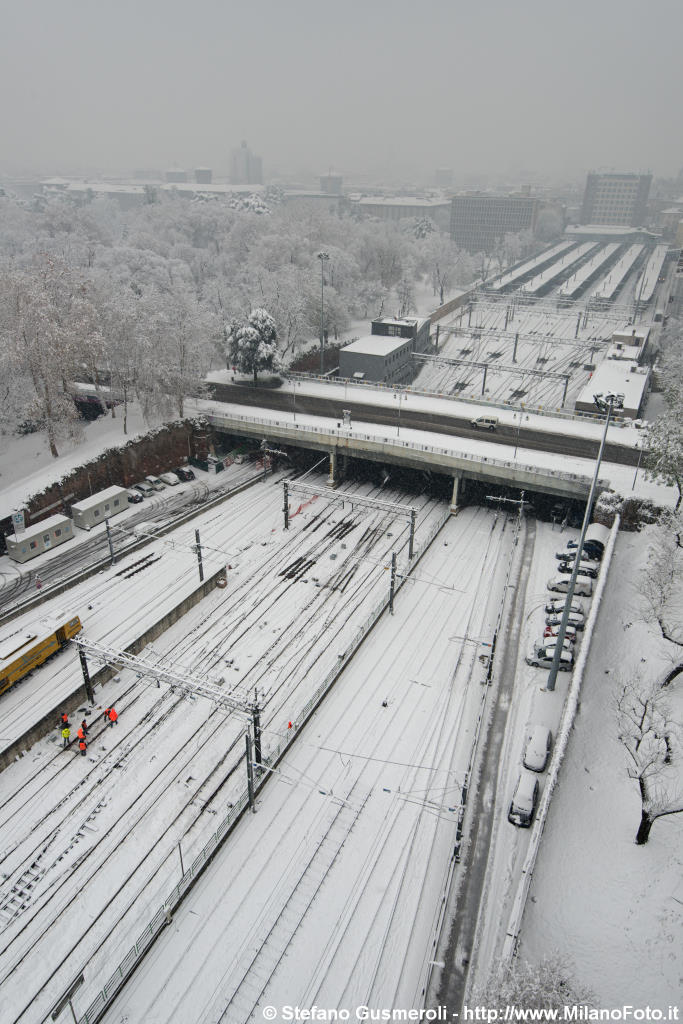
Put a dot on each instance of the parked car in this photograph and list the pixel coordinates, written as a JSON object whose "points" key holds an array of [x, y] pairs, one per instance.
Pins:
{"points": [[172, 479], [543, 658], [524, 800], [556, 605], [144, 487], [590, 569], [560, 585], [155, 483], [575, 620], [135, 497], [538, 746], [569, 555], [551, 631], [484, 423], [541, 645], [184, 473]]}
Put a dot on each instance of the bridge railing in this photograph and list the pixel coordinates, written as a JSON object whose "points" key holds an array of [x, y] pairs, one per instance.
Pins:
{"points": [[348, 433]]}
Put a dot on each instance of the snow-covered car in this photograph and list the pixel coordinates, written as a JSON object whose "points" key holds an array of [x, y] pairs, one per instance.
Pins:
{"points": [[560, 585], [135, 497], [184, 473], [543, 658], [589, 555], [590, 569], [575, 620], [524, 800], [543, 644], [144, 487], [538, 746], [169, 478], [551, 631], [155, 483], [556, 605]]}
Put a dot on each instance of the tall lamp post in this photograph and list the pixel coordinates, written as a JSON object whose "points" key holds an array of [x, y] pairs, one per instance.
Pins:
{"points": [[605, 403], [400, 395], [323, 257]]}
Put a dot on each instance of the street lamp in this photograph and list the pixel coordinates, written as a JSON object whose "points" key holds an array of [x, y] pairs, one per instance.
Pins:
{"points": [[519, 427], [323, 257], [605, 403], [400, 395], [639, 446], [295, 383]]}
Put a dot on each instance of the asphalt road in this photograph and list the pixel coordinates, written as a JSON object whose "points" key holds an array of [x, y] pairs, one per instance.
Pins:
{"points": [[315, 405]]}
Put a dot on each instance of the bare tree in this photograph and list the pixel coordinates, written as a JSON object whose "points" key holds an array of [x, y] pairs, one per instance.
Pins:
{"points": [[651, 740], [548, 985], [661, 583]]}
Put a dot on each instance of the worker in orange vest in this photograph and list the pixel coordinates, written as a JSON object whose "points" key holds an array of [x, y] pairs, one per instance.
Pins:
{"points": [[81, 733], [82, 746], [84, 725], [113, 717], [106, 713], [65, 719]]}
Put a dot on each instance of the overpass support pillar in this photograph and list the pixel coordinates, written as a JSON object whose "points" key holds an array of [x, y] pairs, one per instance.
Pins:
{"points": [[455, 495], [332, 478]]}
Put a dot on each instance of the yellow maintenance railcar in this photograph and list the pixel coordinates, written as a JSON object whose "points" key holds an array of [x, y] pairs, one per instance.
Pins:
{"points": [[25, 649]]}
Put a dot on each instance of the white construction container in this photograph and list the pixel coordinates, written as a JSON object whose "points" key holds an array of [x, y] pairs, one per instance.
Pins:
{"points": [[101, 506]]}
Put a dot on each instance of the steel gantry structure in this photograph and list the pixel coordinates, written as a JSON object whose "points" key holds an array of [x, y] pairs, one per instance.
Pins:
{"points": [[188, 683], [521, 371]]}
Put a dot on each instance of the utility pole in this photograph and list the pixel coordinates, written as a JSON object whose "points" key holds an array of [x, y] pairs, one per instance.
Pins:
{"points": [[256, 718], [606, 403], [285, 507], [111, 542], [86, 676], [413, 516], [199, 556], [250, 772], [323, 257], [392, 583]]}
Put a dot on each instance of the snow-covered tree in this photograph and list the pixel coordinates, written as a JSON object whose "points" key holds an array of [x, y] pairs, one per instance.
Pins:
{"points": [[548, 985], [663, 443], [661, 583], [252, 342], [652, 741]]}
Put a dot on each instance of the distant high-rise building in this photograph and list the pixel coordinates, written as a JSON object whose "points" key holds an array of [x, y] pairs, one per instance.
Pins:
{"points": [[331, 184], [203, 175], [176, 176], [443, 177], [479, 221], [245, 167], [618, 199]]}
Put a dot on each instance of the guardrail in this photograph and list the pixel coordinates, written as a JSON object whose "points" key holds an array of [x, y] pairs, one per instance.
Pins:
{"points": [[566, 723], [164, 914], [233, 422], [537, 410]]}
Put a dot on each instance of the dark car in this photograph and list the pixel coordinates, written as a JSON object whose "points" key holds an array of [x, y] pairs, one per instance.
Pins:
{"points": [[134, 497], [185, 473]]}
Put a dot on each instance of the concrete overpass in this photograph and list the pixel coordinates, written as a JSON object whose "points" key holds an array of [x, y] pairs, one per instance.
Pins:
{"points": [[342, 442]]}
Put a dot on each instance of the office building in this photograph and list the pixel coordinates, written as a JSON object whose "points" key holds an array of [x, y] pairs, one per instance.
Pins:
{"points": [[245, 167], [618, 199], [479, 221]]}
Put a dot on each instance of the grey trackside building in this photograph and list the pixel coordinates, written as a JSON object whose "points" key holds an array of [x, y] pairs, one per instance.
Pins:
{"points": [[39, 537], [377, 358], [416, 328], [98, 507]]}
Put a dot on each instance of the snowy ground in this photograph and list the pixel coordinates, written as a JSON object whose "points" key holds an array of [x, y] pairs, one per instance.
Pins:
{"points": [[612, 906]]}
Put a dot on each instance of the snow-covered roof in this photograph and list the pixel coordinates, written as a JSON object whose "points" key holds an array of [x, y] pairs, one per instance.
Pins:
{"points": [[95, 499], [45, 524], [619, 376], [376, 345], [401, 201]]}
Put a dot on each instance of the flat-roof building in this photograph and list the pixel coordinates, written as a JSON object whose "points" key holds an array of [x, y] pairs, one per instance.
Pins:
{"points": [[395, 208], [618, 199], [377, 358], [479, 221], [416, 328], [619, 377]]}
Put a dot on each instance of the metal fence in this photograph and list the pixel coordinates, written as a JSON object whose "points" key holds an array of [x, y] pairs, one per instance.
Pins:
{"points": [[164, 914]]}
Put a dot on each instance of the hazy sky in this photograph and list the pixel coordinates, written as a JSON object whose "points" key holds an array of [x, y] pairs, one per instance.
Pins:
{"points": [[487, 86]]}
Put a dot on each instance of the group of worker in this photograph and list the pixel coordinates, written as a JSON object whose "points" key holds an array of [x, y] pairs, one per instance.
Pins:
{"points": [[110, 715]]}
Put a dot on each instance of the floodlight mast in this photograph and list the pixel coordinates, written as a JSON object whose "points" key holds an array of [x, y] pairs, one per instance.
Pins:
{"points": [[606, 403]]}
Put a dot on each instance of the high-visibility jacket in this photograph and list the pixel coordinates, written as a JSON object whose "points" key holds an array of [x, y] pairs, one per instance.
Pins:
{"points": [[66, 733], [82, 745], [65, 719], [113, 715], [81, 734]]}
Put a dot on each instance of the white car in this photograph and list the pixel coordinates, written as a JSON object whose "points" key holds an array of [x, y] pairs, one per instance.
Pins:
{"points": [[555, 606], [155, 483], [560, 585], [544, 659], [538, 746], [551, 629], [169, 478], [575, 620]]}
